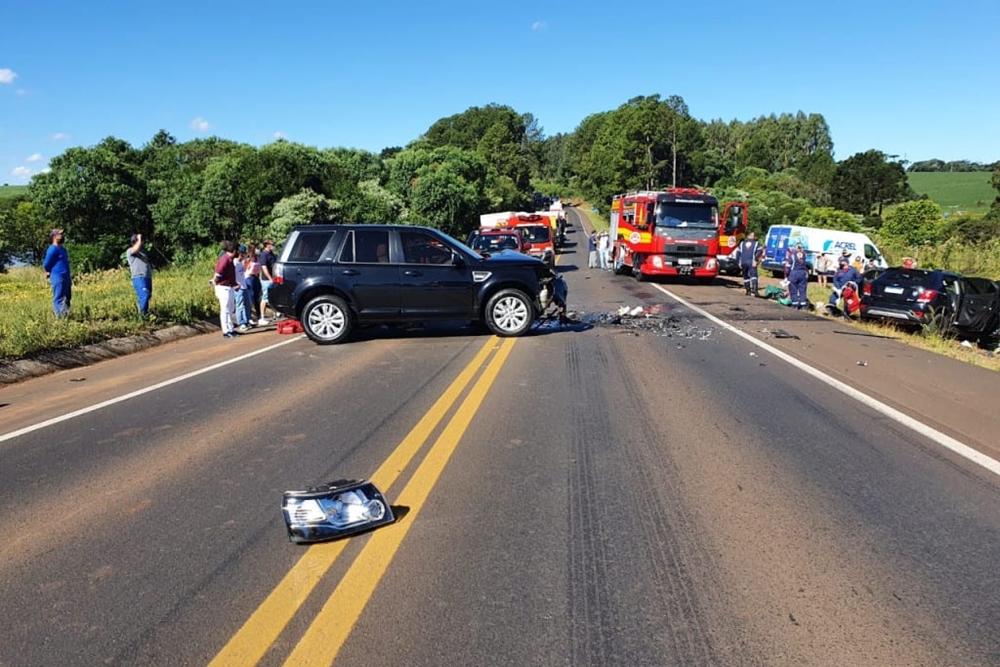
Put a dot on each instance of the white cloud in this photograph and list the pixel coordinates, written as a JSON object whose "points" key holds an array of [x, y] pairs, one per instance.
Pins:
{"points": [[539, 25], [21, 173], [59, 136], [7, 75], [280, 135], [35, 157], [199, 124]]}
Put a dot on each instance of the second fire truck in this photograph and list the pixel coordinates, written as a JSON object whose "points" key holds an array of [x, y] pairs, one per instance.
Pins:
{"points": [[673, 232]]}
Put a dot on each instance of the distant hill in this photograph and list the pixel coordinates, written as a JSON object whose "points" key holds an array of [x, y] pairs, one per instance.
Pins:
{"points": [[12, 190], [968, 191]]}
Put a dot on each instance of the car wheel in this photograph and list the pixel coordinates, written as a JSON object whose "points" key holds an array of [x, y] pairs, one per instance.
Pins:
{"points": [[509, 312], [327, 319], [637, 274]]}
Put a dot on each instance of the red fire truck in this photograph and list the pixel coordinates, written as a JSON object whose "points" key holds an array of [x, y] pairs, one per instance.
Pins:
{"points": [[673, 232]]}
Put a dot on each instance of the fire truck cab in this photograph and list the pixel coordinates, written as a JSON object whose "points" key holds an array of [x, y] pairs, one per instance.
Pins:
{"points": [[672, 232]]}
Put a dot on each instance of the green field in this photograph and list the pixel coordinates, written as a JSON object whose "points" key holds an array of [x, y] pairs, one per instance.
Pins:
{"points": [[12, 190], [955, 191]]}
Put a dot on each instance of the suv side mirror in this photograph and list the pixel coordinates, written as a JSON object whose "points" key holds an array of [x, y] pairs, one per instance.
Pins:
{"points": [[457, 259]]}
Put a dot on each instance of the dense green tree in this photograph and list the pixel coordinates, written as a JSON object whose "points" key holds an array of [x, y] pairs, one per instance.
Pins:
{"points": [[826, 217], [175, 176], [383, 205], [914, 223], [508, 141], [867, 181], [305, 207], [28, 233], [98, 194], [426, 179], [994, 213]]}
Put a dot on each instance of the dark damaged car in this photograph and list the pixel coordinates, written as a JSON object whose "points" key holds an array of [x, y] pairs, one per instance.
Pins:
{"points": [[334, 278], [960, 305]]}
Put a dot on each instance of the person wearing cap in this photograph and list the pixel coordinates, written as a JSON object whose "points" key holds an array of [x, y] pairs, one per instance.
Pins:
{"points": [[142, 273], [845, 274], [56, 265]]}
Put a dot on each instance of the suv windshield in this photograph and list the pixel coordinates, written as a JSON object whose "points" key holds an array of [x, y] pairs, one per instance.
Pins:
{"points": [[697, 216]]}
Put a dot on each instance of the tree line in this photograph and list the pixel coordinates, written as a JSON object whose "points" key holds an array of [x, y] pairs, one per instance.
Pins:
{"points": [[187, 196]]}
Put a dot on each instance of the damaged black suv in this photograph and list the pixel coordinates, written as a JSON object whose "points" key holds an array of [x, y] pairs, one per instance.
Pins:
{"points": [[335, 277]]}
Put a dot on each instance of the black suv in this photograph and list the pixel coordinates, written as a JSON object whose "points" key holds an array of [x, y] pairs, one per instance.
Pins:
{"points": [[951, 302], [332, 277]]}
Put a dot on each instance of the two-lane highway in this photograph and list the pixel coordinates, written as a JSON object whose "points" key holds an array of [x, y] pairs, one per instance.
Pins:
{"points": [[589, 495]]}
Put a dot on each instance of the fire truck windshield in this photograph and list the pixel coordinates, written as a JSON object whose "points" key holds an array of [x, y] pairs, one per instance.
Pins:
{"points": [[537, 233], [695, 216]]}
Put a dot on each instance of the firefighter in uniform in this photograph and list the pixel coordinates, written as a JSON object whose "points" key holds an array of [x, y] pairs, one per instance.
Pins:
{"points": [[749, 254], [797, 274]]}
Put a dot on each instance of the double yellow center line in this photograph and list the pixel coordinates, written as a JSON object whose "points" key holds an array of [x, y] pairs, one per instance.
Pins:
{"points": [[327, 633]]}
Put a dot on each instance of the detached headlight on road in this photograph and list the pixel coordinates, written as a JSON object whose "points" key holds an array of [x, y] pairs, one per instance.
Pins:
{"points": [[333, 510]]}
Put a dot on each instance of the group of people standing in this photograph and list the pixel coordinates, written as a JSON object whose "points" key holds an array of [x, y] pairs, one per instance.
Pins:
{"points": [[599, 244], [242, 279]]}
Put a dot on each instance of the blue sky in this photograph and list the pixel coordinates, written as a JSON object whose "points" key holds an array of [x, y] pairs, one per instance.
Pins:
{"points": [[913, 78]]}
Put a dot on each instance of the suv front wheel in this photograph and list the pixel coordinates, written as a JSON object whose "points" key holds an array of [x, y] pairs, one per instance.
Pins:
{"points": [[509, 312], [327, 319]]}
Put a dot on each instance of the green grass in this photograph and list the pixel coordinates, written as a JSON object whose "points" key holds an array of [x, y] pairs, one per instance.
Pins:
{"points": [[103, 307], [12, 190], [968, 191]]}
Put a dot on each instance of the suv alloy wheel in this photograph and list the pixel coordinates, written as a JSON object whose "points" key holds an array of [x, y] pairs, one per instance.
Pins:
{"points": [[509, 313], [327, 319]]}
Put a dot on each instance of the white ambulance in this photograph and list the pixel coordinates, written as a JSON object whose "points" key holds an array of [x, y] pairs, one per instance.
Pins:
{"points": [[816, 242]]}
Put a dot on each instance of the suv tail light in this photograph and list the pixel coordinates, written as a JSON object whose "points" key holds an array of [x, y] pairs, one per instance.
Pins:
{"points": [[279, 273], [927, 295], [867, 289]]}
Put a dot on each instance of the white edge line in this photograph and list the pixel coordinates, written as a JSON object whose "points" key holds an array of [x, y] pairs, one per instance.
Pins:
{"points": [[139, 392], [919, 427]]}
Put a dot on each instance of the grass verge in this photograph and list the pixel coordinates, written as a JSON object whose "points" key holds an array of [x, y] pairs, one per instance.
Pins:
{"points": [[929, 339], [103, 307]]}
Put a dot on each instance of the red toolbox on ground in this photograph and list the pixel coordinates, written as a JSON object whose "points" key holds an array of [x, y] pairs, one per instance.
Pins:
{"points": [[289, 326]]}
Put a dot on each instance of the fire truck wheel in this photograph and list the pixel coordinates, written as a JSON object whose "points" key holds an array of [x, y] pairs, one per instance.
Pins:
{"points": [[637, 274], [509, 313]]}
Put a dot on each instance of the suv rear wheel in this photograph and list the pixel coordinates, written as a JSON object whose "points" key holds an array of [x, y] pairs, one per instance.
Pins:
{"points": [[327, 319], [509, 313]]}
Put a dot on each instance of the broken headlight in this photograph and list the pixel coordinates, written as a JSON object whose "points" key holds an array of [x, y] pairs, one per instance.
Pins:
{"points": [[333, 510]]}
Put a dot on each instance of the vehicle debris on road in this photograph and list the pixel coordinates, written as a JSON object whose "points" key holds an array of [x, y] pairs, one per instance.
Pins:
{"points": [[646, 318], [335, 509], [779, 333]]}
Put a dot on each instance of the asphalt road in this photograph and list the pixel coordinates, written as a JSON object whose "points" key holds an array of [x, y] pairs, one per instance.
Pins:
{"points": [[658, 490]]}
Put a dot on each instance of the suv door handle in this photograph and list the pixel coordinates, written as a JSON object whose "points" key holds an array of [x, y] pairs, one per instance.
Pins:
{"points": [[350, 272], [411, 272]]}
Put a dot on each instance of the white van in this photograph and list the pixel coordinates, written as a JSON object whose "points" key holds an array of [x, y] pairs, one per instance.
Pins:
{"points": [[816, 242]]}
